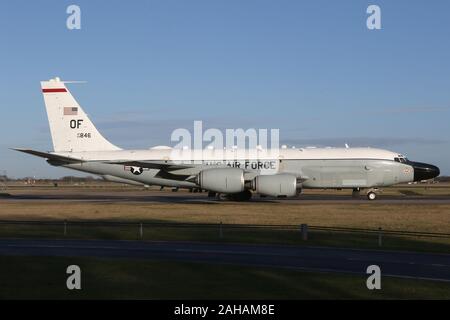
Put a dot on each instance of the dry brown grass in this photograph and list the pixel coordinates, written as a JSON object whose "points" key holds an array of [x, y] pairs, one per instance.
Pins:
{"points": [[413, 217]]}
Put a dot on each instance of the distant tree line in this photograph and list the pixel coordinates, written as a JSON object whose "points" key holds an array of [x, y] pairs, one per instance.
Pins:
{"points": [[67, 179], [77, 179]]}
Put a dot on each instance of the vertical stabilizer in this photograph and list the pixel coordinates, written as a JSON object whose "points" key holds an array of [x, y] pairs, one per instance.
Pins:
{"points": [[70, 127]]}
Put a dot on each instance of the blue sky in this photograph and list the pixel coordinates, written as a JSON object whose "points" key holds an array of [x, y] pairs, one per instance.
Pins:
{"points": [[310, 68]]}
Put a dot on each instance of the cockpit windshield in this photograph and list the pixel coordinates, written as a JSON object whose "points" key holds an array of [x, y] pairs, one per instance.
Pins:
{"points": [[401, 159]]}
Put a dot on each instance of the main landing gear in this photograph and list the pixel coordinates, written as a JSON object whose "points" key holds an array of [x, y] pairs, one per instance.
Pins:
{"points": [[241, 196]]}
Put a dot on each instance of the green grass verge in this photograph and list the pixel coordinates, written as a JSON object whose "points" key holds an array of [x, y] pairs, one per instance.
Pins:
{"points": [[45, 278], [240, 235]]}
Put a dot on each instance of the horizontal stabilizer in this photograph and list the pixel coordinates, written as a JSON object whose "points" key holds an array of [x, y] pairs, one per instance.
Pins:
{"points": [[49, 156]]}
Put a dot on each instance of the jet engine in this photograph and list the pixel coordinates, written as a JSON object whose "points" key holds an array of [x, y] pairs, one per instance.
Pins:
{"points": [[277, 185], [224, 180]]}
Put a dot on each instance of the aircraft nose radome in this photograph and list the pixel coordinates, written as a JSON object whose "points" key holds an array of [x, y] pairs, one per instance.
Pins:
{"points": [[424, 171]]}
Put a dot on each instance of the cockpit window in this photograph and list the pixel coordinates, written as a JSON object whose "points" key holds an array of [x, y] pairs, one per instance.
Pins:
{"points": [[401, 159]]}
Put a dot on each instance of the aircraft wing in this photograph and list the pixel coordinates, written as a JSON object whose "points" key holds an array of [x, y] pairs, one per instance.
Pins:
{"points": [[160, 165], [49, 156]]}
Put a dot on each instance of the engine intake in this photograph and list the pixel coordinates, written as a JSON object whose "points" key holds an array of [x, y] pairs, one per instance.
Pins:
{"points": [[224, 180], [277, 185]]}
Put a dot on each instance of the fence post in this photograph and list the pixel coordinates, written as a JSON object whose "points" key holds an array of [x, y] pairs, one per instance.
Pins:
{"points": [[141, 230], [220, 230], [304, 231], [380, 237], [65, 228]]}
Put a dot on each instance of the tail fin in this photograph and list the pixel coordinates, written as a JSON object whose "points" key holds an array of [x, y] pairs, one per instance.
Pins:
{"points": [[70, 127]]}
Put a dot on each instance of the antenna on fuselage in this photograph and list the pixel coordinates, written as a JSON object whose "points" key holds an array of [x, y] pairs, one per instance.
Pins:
{"points": [[57, 79], [74, 81]]}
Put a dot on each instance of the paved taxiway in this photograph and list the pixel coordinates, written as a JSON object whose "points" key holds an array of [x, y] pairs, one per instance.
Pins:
{"points": [[319, 259], [184, 197]]}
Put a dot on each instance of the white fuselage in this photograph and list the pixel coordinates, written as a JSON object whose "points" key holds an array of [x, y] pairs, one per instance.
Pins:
{"points": [[316, 167]]}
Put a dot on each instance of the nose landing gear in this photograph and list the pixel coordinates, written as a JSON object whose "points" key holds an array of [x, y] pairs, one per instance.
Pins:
{"points": [[372, 194]]}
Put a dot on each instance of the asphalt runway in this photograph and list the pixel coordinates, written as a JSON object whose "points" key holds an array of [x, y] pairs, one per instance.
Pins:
{"points": [[195, 198], [412, 265]]}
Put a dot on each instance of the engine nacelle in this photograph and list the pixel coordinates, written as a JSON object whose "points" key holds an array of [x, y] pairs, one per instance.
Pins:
{"points": [[224, 180], [277, 185]]}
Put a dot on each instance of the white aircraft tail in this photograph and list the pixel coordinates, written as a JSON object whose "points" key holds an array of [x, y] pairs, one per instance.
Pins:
{"points": [[70, 127]]}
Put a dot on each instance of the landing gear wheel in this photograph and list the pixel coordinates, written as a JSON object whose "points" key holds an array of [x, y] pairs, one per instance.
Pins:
{"points": [[371, 195]]}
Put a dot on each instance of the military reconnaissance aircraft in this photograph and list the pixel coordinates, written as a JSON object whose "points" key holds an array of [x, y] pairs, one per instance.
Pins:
{"points": [[78, 145]]}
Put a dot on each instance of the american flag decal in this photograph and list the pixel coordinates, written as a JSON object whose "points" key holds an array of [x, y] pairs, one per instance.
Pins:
{"points": [[70, 111]]}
